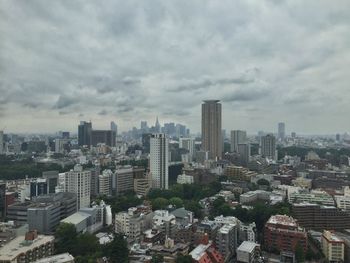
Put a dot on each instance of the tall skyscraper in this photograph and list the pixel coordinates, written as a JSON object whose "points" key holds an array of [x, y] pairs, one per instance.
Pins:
{"points": [[1, 142], [84, 133], [268, 146], [237, 137], [159, 160], [281, 131], [77, 181], [157, 126], [211, 128], [114, 127], [244, 151]]}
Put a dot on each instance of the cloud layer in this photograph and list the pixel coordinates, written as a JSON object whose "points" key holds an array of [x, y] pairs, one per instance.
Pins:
{"points": [[267, 61]]}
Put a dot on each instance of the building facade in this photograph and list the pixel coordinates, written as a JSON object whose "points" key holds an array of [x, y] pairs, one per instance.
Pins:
{"points": [[211, 128], [268, 146], [159, 161], [237, 137]]}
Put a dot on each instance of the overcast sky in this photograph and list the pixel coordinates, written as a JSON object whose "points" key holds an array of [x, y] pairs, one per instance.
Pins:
{"points": [[126, 61]]}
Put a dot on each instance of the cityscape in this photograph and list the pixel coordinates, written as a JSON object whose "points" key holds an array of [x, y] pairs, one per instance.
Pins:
{"points": [[189, 132]]}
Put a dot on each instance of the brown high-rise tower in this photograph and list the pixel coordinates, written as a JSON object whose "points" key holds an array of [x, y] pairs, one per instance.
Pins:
{"points": [[211, 128]]}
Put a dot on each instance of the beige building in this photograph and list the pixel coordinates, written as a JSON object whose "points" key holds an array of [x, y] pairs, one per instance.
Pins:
{"points": [[211, 128], [27, 249], [332, 247]]}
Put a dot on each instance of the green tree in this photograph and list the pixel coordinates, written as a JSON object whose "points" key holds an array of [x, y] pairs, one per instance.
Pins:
{"points": [[117, 250], [66, 238], [176, 201], [184, 259], [157, 258], [159, 203], [299, 253], [86, 244]]}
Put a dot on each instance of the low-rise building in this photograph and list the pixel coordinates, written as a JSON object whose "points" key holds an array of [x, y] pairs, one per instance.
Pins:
{"points": [[282, 233], [332, 247], [226, 240], [27, 248], [185, 179], [248, 252]]}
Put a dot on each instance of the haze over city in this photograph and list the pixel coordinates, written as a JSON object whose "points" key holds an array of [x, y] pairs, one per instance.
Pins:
{"points": [[126, 61]]}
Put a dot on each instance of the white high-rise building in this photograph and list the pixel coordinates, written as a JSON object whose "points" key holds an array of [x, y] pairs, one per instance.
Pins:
{"points": [[159, 160], [77, 181], [1, 142], [188, 144], [237, 137], [105, 183]]}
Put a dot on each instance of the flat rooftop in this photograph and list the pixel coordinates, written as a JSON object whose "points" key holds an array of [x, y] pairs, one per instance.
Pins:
{"points": [[61, 258], [11, 250], [247, 246], [282, 220]]}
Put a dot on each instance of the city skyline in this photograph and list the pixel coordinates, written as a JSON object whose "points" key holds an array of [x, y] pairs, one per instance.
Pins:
{"points": [[66, 62]]}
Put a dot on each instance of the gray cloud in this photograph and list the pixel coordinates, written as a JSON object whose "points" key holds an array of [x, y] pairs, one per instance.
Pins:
{"points": [[77, 59]]}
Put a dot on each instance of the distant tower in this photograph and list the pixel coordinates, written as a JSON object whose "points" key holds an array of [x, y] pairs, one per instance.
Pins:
{"points": [[84, 133], [281, 131], [268, 146], [1, 142], [211, 128], [159, 158], [157, 126], [114, 127], [237, 137]]}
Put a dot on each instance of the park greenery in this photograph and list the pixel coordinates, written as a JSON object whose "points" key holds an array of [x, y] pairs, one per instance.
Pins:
{"points": [[86, 248]]}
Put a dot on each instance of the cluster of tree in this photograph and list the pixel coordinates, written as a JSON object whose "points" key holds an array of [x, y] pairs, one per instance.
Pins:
{"points": [[327, 153], [122, 203], [86, 248], [12, 168], [259, 214], [183, 195]]}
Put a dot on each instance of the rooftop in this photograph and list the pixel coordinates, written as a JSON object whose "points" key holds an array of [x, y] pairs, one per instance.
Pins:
{"points": [[76, 218], [61, 258], [198, 252], [247, 246], [282, 220], [12, 249]]}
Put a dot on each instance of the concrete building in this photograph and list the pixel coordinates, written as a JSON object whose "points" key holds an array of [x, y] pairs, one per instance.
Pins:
{"points": [[268, 146], [77, 181], [332, 247], [237, 137], [123, 180], [282, 233], [38, 187], [314, 197], [318, 217], [142, 184], [105, 183], [226, 240], [244, 153], [185, 179], [281, 131], [2, 201], [211, 128], [84, 133], [159, 161], [165, 222], [133, 223], [51, 179], [1, 142], [60, 258], [188, 144], [107, 137], [248, 252], [27, 249]]}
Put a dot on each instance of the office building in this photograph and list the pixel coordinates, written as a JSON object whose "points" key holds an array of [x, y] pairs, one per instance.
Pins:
{"points": [[142, 181], [108, 137], [2, 201], [332, 247], [237, 137], [114, 127], [188, 144], [1, 142], [244, 153], [268, 146], [17, 212], [282, 233], [318, 217], [159, 160], [77, 181], [105, 183], [38, 187], [184, 179], [28, 248], [51, 179], [123, 180], [211, 128], [95, 172], [248, 252], [281, 131], [164, 222], [84, 133]]}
